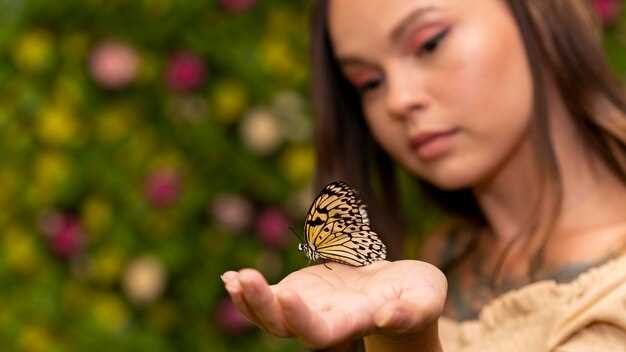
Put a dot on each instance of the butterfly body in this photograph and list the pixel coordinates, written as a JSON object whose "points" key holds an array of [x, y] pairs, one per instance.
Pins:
{"points": [[309, 252], [337, 228]]}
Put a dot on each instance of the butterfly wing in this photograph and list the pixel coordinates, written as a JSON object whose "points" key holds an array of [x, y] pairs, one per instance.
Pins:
{"points": [[336, 201], [338, 227], [351, 243]]}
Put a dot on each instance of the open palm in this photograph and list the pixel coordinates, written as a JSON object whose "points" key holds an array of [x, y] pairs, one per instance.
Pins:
{"points": [[323, 306]]}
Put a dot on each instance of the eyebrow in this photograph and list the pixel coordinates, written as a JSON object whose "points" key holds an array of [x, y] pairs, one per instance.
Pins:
{"points": [[395, 33]]}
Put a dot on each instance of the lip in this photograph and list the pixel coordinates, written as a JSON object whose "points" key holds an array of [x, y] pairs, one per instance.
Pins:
{"points": [[429, 144]]}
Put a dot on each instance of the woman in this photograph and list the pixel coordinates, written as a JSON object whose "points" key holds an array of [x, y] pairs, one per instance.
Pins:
{"points": [[506, 113]]}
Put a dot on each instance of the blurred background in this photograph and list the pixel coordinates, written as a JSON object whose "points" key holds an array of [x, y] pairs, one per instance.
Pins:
{"points": [[146, 147]]}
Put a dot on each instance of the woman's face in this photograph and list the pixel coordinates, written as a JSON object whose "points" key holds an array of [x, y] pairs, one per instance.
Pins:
{"points": [[457, 68]]}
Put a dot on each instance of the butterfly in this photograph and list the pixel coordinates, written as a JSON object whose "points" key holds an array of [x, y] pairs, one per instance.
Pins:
{"points": [[337, 228]]}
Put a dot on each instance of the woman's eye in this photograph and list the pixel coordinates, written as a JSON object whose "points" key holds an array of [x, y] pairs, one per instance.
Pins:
{"points": [[432, 44], [369, 85]]}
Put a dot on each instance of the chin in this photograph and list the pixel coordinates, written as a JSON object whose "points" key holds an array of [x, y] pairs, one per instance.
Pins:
{"points": [[452, 178], [451, 183]]}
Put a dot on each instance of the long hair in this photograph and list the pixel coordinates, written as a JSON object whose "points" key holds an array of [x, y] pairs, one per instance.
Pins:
{"points": [[562, 41]]}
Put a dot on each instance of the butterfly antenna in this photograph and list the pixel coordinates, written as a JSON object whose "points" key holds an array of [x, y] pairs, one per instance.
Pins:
{"points": [[296, 234]]}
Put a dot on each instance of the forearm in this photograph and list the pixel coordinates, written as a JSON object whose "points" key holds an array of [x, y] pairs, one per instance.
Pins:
{"points": [[425, 341]]}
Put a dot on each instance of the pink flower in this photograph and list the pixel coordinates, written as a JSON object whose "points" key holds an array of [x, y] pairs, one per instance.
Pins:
{"points": [[162, 188], [273, 227], [608, 10], [113, 64], [230, 319], [237, 6], [232, 212], [65, 234], [185, 72]]}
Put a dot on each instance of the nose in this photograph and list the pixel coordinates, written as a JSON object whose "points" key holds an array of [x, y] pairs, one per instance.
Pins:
{"points": [[405, 93]]}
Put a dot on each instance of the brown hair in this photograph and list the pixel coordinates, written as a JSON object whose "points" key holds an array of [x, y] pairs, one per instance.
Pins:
{"points": [[562, 41]]}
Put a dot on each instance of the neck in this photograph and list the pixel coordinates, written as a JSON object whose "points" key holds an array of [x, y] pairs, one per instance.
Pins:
{"points": [[591, 195]]}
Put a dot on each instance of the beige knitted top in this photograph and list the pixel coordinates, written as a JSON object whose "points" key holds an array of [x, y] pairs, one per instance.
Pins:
{"points": [[587, 314]]}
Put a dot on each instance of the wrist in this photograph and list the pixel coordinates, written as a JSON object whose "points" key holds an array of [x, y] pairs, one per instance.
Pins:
{"points": [[425, 340]]}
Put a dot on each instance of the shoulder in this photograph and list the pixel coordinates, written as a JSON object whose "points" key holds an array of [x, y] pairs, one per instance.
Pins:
{"points": [[597, 308]]}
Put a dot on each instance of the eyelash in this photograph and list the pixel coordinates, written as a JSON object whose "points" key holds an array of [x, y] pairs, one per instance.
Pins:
{"points": [[429, 47], [432, 44]]}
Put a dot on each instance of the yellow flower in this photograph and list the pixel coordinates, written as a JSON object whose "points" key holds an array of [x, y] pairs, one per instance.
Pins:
{"points": [[110, 312], [34, 51], [35, 339], [229, 99], [52, 172], [57, 126], [20, 250], [277, 57], [298, 164], [52, 169]]}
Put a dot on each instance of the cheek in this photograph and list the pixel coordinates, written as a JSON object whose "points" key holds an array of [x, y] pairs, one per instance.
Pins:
{"points": [[493, 80], [490, 86], [388, 133], [484, 87]]}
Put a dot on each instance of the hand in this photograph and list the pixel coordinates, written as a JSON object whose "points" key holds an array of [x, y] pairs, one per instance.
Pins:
{"points": [[324, 307]]}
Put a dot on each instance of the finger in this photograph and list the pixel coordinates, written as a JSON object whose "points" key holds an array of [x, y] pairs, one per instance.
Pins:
{"points": [[262, 302], [229, 276], [302, 322], [233, 287]]}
